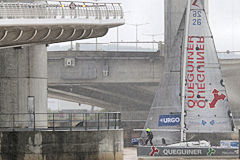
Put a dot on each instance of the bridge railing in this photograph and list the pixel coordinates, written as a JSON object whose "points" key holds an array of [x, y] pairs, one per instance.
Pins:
{"points": [[60, 10], [60, 121]]}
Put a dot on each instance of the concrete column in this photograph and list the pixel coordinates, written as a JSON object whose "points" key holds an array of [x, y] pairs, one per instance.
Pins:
{"points": [[23, 73], [174, 10]]}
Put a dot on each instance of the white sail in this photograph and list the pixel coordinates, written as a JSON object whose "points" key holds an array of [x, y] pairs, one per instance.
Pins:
{"points": [[206, 104], [206, 107], [167, 102]]}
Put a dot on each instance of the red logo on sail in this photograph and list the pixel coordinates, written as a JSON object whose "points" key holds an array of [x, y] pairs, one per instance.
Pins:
{"points": [[216, 98], [154, 150], [195, 3]]}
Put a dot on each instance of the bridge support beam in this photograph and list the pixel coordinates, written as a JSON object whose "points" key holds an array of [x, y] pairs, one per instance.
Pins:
{"points": [[23, 74]]}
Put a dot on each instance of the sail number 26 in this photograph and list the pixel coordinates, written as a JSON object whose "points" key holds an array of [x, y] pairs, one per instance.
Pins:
{"points": [[197, 20]]}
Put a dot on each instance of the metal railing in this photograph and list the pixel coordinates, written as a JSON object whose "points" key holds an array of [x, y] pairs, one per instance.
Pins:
{"points": [[146, 46], [60, 10], [60, 121]]}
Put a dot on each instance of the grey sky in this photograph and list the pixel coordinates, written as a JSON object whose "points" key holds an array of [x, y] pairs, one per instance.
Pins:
{"points": [[224, 17]]}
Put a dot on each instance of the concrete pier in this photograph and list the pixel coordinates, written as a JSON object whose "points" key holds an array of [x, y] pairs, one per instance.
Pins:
{"points": [[23, 74], [62, 145]]}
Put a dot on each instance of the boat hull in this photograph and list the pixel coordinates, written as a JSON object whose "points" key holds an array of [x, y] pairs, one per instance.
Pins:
{"points": [[188, 152]]}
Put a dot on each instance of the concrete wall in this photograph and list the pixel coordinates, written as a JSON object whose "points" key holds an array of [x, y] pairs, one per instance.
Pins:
{"points": [[23, 73], [103, 67], [62, 145]]}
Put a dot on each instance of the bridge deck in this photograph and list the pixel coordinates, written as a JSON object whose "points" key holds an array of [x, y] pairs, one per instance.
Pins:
{"points": [[56, 21]]}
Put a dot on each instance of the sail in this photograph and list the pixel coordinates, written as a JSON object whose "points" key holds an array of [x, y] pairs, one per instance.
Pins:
{"points": [[206, 104], [164, 116]]}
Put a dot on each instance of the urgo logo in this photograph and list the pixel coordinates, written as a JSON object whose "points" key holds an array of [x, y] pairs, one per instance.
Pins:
{"points": [[170, 120]]}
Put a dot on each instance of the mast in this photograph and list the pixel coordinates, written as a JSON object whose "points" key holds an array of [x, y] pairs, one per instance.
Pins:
{"points": [[183, 137]]}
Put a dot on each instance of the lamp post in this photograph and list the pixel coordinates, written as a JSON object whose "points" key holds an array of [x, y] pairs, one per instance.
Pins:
{"points": [[117, 38], [118, 31], [153, 35], [71, 46], [137, 25]]}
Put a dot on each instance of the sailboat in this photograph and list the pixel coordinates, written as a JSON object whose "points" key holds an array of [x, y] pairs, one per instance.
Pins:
{"points": [[191, 102]]}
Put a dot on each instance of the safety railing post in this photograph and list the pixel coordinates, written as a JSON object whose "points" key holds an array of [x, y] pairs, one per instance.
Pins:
{"points": [[119, 120], [107, 11], [34, 120], [98, 10], [108, 120], [121, 11], [86, 116], [115, 120], [86, 9], [13, 122], [62, 6], [98, 120], [70, 121], [53, 123], [114, 12]]}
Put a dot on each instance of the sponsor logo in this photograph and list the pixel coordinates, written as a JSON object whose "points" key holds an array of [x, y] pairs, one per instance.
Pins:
{"points": [[196, 81], [211, 151], [195, 3], [203, 122], [182, 152], [212, 122], [216, 98], [169, 120], [154, 150], [234, 144]]}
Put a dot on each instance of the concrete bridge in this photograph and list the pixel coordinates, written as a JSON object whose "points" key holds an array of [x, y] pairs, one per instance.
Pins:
{"points": [[56, 21], [119, 81], [106, 79], [25, 28]]}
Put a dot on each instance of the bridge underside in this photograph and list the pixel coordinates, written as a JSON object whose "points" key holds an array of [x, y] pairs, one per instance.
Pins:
{"points": [[113, 97], [10, 35]]}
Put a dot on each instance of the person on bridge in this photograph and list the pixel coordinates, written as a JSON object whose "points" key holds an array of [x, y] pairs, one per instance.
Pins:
{"points": [[149, 136]]}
